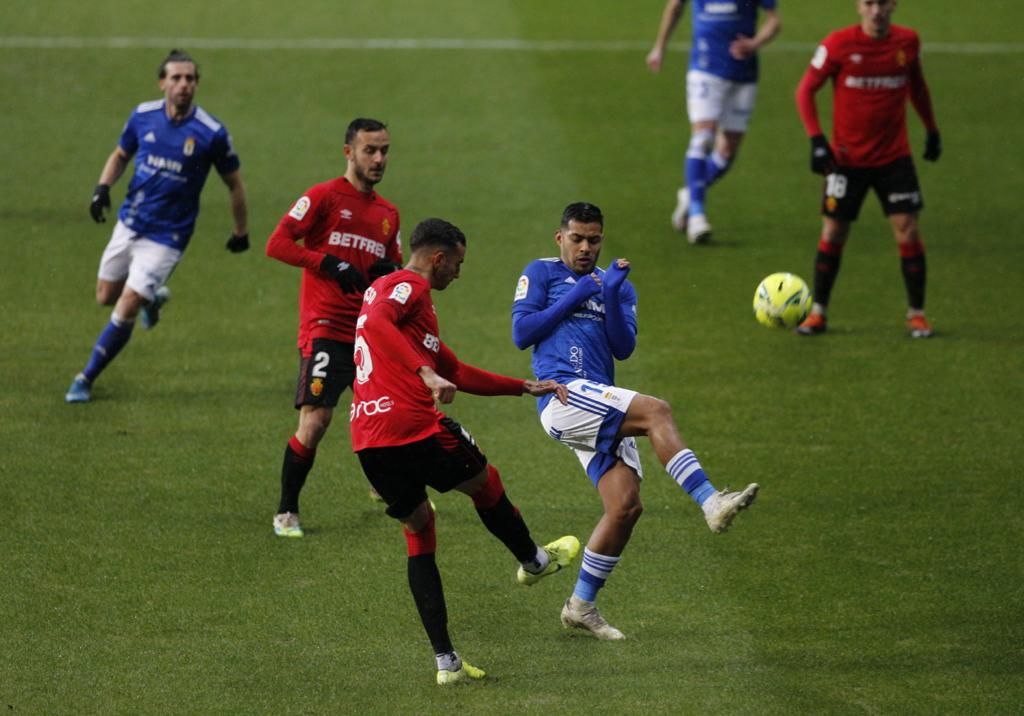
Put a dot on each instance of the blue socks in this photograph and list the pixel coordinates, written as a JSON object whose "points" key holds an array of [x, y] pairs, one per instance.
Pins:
{"points": [[110, 342], [685, 469], [594, 572]]}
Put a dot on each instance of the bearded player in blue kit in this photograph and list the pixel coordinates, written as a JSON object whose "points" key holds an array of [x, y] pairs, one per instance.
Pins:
{"points": [[721, 89], [174, 143], [580, 319]]}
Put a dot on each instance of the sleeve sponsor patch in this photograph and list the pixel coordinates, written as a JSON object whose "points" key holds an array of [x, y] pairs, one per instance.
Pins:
{"points": [[401, 292], [522, 287], [298, 212], [820, 55]]}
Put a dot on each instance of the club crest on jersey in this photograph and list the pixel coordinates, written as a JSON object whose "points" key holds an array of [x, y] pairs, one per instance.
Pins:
{"points": [[316, 387], [189, 148], [299, 210], [522, 287], [901, 58], [385, 226], [401, 292]]}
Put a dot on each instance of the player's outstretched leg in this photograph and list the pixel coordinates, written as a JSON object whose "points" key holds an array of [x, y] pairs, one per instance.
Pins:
{"points": [[560, 554], [151, 311]]}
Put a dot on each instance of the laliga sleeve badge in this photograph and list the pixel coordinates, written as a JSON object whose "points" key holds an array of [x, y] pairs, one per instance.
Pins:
{"points": [[298, 212]]}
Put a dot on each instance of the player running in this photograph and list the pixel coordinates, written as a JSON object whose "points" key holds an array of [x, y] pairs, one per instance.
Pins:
{"points": [[721, 89], [350, 235], [580, 319], [874, 67], [405, 444], [174, 143]]}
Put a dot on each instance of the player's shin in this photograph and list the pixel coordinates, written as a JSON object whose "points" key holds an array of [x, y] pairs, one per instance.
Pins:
{"points": [[826, 268], [425, 585], [503, 520], [109, 343], [913, 266], [298, 461]]}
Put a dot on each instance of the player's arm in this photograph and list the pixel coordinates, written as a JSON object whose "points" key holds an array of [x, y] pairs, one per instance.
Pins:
{"points": [[470, 379], [669, 19], [743, 47], [112, 170], [239, 240], [531, 323], [820, 69], [619, 298], [921, 98]]}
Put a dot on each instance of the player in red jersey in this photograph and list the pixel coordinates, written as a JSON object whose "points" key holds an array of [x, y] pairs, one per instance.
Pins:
{"points": [[349, 234], [874, 67], [405, 443]]}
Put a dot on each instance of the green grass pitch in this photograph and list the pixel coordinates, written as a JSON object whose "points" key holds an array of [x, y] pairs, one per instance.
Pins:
{"points": [[881, 570]]}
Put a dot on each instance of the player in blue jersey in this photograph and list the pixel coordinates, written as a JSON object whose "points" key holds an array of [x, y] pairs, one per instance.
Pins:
{"points": [[721, 89], [580, 319], [174, 143]]}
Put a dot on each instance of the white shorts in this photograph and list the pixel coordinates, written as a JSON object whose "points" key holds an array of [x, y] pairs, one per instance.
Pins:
{"points": [[711, 98], [144, 263], [589, 423]]}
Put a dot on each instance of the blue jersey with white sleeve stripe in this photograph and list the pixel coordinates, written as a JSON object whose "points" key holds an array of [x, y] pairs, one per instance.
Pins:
{"points": [[716, 23], [172, 160], [577, 346]]}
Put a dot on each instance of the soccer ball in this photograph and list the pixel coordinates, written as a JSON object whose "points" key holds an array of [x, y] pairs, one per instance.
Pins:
{"points": [[782, 300]]}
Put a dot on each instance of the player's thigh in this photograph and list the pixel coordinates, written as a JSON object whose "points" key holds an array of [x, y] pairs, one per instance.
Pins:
{"points": [[619, 488], [843, 193], [898, 189], [705, 96], [738, 106], [117, 256], [396, 474], [324, 373], [151, 265], [591, 417]]}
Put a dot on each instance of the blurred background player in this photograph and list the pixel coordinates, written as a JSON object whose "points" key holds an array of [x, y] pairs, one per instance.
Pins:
{"points": [[174, 142], [350, 235], [874, 67], [721, 89], [405, 443], [580, 319]]}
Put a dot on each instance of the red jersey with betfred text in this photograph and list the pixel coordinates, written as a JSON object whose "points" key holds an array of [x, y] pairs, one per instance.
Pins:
{"points": [[396, 334], [334, 218], [872, 80]]}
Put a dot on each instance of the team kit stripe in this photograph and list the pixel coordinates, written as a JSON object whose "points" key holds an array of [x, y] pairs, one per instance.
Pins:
{"points": [[437, 43]]}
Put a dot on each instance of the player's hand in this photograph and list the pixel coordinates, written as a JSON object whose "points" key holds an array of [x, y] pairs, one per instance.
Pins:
{"points": [[654, 59], [616, 274], [382, 267], [742, 47], [237, 244], [932, 147], [823, 161], [348, 276], [537, 388], [586, 286], [441, 388], [100, 201]]}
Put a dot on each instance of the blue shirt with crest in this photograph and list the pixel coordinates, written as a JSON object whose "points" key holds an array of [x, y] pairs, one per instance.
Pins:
{"points": [[577, 346], [716, 23], [172, 160]]}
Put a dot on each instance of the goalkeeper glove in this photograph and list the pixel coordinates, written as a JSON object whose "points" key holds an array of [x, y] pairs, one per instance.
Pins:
{"points": [[347, 275], [237, 244], [932, 147], [382, 267], [822, 159], [100, 201]]}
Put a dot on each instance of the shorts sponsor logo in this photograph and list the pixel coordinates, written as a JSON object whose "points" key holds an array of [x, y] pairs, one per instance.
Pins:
{"points": [[370, 407], [521, 288], [316, 387], [298, 212], [401, 293], [914, 197]]}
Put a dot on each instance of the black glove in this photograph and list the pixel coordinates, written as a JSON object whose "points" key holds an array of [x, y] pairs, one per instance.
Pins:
{"points": [[932, 147], [347, 275], [382, 267], [823, 161], [237, 244], [100, 201]]}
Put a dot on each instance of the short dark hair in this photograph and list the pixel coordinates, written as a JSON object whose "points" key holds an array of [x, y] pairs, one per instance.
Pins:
{"points": [[362, 124], [176, 55], [436, 234], [582, 212]]}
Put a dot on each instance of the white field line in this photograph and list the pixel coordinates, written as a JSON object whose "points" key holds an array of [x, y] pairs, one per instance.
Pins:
{"points": [[432, 43]]}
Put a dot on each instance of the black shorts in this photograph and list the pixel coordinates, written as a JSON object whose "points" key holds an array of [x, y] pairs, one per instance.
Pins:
{"points": [[895, 184], [401, 474], [325, 373]]}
